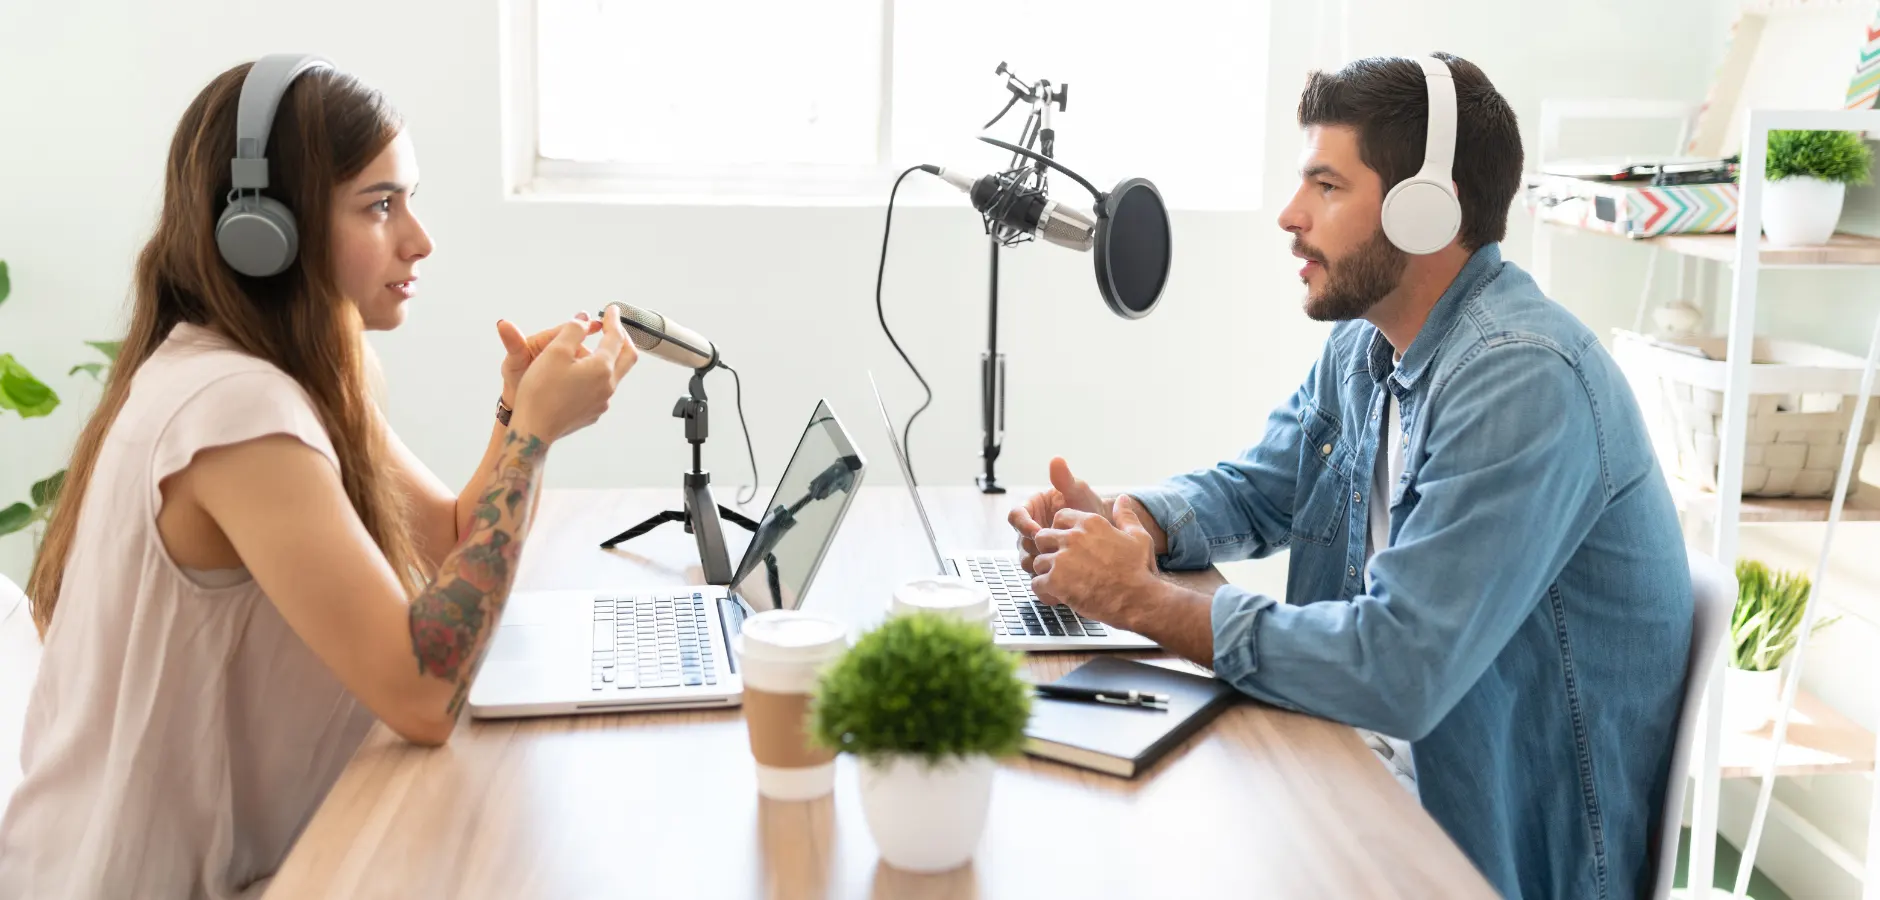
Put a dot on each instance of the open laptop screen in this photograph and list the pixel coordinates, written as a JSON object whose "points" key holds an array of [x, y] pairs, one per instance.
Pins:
{"points": [[800, 523], [907, 476]]}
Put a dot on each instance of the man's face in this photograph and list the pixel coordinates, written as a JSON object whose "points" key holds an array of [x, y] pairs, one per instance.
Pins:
{"points": [[1337, 228]]}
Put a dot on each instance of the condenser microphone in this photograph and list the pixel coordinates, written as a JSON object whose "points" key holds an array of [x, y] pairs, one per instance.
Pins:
{"points": [[666, 339], [1024, 211]]}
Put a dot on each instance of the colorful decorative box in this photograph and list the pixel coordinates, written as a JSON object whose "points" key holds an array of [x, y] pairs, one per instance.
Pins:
{"points": [[1631, 209]]}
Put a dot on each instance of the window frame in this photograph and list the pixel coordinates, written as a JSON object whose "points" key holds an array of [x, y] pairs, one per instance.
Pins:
{"points": [[527, 175]]}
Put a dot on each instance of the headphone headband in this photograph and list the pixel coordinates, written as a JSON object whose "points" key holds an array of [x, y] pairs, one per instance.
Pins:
{"points": [[267, 80], [1439, 146]]}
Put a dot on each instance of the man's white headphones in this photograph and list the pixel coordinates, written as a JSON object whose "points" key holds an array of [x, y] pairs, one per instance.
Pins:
{"points": [[1422, 214], [256, 234]]}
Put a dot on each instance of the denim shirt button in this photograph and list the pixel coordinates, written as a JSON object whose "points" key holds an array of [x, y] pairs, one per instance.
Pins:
{"points": [[1352, 571], [1325, 450], [1356, 498]]}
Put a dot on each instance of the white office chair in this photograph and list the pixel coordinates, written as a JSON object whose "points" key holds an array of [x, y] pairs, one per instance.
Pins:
{"points": [[1713, 599], [10, 596]]}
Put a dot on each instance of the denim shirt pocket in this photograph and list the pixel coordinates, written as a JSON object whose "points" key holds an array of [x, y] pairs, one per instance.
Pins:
{"points": [[1324, 478]]}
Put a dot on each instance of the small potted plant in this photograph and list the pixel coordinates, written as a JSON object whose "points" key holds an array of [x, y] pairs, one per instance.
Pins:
{"points": [[1808, 173], [1763, 629], [926, 703]]}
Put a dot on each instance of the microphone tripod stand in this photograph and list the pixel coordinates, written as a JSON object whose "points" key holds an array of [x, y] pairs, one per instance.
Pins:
{"points": [[701, 515], [1021, 177]]}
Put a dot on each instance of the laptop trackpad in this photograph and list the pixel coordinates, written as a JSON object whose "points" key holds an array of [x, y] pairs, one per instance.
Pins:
{"points": [[529, 643], [532, 664]]}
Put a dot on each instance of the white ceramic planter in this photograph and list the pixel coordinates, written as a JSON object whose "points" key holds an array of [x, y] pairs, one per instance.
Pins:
{"points": [[1802, 211], [1749, 698], [926, 818]]}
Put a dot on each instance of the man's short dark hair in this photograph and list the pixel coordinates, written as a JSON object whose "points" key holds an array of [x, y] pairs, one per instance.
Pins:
{"points": [[1386, 101]]}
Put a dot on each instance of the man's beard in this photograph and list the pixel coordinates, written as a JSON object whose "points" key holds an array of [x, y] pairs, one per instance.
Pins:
{"points": [[1356, 283]]}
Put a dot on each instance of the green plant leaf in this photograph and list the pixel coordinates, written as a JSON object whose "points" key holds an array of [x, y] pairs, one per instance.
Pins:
{"points": [[21, 392], [15, 518], [1767, 620], [924, 685], [1838, 156], [95, 370], [46, 491], [6, 282], [108, 348]]}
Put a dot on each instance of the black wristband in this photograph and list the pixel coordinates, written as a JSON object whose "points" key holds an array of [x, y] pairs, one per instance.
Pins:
{"points": [[503, 411]]}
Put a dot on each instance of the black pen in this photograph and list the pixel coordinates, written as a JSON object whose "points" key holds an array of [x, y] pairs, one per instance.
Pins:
{"points": [[1113, 697]]}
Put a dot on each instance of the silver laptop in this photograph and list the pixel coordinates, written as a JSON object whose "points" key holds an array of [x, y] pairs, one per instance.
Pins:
{"points": [[1022, 623], [669, 646]]}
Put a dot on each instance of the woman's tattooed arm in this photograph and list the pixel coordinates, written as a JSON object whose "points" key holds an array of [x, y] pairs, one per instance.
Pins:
{"points": [[454, 618]]}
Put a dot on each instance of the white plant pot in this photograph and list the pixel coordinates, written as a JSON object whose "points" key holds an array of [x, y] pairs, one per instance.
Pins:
{"points": [[1749, 698], [927, 818], [1802, 211]]}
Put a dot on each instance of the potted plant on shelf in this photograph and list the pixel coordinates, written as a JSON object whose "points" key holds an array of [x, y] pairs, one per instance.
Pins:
{"points": [[1763, 629], [1808, 173], [926, 703]]}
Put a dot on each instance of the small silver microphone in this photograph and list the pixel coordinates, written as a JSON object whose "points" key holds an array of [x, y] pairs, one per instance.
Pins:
{"points": [[666, 339]]}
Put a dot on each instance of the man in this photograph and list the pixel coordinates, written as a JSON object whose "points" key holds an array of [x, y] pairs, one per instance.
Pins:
{"points": [[1485, 559]]}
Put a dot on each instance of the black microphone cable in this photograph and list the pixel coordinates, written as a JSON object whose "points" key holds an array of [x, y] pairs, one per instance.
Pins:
{"points": [[738, 382], [887, 226]]}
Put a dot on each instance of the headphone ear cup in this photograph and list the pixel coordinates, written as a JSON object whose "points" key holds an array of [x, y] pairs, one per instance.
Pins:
{"points": [[257, 236], [1421, 215]]}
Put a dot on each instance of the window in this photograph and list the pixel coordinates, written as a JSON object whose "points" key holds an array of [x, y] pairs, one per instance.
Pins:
{"points": [[828, 99]]}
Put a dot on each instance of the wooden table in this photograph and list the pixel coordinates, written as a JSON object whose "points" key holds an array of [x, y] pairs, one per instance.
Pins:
{"points": [[1262, 803]]}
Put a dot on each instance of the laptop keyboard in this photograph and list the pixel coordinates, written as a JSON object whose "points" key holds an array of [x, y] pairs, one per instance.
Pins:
{"points": [[652, 641], [1020, 613]]}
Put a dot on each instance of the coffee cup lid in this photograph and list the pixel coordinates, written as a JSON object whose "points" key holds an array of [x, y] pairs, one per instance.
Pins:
{"points": [[953, 594], [789, 635]]}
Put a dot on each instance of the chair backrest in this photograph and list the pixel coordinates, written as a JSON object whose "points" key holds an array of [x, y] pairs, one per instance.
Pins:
{"points": [[1713, 599], [10, 595]]}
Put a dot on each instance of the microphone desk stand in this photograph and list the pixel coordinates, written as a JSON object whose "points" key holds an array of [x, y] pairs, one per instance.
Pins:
{"points": [[702, 514]]}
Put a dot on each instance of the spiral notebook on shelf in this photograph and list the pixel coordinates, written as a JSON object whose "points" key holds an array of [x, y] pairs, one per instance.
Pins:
{"points": [[1123, 740]]}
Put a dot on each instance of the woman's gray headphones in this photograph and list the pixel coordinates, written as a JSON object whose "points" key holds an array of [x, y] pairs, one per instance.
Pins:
{"points": [[256, 234]]}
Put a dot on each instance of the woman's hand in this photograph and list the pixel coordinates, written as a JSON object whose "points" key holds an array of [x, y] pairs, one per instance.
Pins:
{"points": [[524, 350], [568, 387]]}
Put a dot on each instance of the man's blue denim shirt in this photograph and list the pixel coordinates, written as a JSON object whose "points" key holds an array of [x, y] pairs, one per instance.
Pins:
{"points": [[1528, 625]]}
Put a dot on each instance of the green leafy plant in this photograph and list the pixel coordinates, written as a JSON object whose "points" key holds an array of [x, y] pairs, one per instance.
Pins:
{"points": [[924, 685], [31, 398], [1828, 155], [1768, 616]]}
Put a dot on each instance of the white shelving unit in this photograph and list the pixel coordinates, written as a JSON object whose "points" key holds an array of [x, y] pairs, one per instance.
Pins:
{"points": [[1809, 738]]}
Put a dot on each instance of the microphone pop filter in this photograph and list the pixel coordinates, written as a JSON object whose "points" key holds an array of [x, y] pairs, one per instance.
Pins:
{"points": [[1132, 247]]}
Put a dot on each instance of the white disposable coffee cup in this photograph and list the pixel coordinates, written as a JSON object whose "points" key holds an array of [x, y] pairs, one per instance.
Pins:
{"points": [[780, 654], [949, 594]]}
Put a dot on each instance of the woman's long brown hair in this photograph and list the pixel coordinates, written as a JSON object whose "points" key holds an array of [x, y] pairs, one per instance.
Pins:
{"points": [[328, 129]]}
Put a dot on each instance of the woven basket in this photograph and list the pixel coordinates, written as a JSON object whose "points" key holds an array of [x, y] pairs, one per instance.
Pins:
{"points": [[1801, 406]]}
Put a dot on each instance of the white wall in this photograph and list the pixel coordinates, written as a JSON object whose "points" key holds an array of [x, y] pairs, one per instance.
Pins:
{"points": [[90, 91]]}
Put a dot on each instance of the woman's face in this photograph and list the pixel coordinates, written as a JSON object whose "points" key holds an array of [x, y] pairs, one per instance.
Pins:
{"points": [[377, 238]]}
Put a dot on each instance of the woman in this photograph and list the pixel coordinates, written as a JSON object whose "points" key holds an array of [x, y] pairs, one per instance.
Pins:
{"points": [[234, 582]]}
